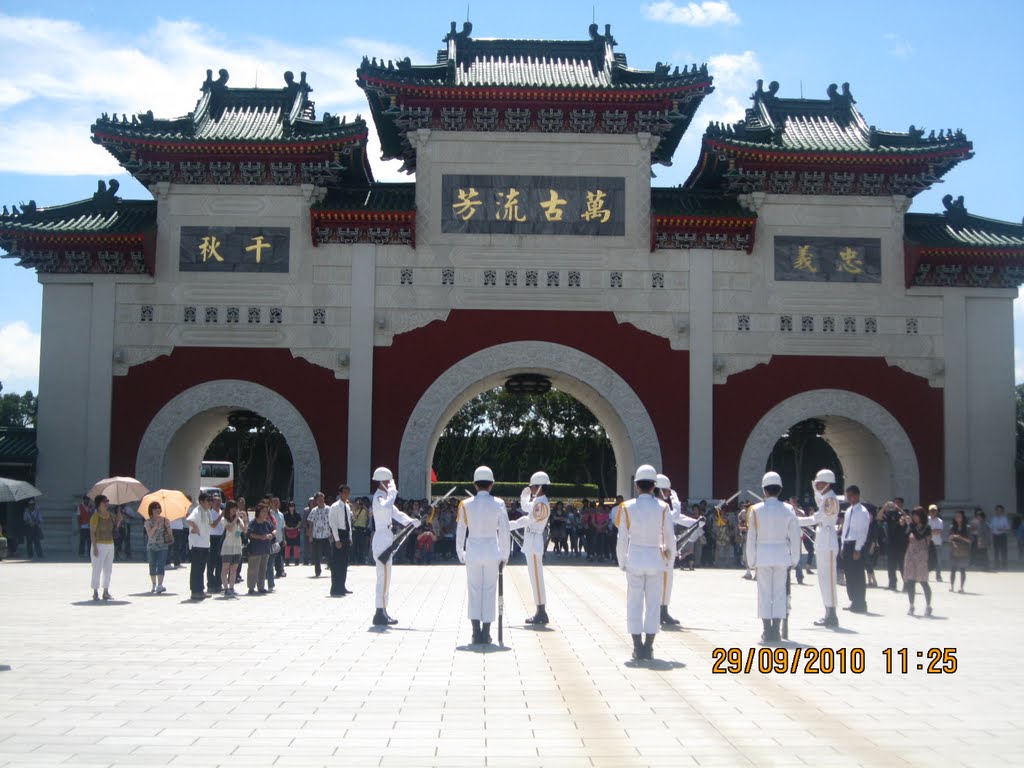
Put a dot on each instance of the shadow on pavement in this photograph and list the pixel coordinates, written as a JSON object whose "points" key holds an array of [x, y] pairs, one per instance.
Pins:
{"points": [[99, 603]]}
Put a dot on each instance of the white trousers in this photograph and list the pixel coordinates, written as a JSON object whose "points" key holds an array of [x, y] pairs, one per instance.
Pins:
{"points": [[103, 562], [667, 580], [383, 582], [771, 591], [535, 564], [827, 577], [482, 582], [643, 602]]}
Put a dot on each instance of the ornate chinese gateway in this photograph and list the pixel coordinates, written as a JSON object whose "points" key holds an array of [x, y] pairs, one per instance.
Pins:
{"points": [[785, 280]]}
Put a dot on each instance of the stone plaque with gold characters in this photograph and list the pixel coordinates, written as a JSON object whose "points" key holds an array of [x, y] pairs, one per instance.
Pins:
{"points": [[828, 259], [234, 249], [533, 205]]}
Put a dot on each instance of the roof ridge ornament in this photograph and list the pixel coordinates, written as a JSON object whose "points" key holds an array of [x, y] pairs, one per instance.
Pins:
{"points": [[605, 38], [956, 211], [845, 98], [762, 95], [105, 192], [458, 37], [219, 84]]}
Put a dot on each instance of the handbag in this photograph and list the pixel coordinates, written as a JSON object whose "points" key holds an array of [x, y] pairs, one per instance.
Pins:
{"points": [[168, 535], [275, 548]]}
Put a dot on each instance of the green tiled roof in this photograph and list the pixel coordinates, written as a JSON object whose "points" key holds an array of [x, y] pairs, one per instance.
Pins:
{"points": [[958, 229], [832, 125], [18, 445], [377, 197], [676, 201], [222, 114], [102, 214]]}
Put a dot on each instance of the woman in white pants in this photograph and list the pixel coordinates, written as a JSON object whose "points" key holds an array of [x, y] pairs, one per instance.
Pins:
{"points": [[101, 529]]}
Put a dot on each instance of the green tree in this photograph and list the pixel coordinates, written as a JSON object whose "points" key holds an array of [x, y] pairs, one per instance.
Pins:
{"points": [[18, 410]]}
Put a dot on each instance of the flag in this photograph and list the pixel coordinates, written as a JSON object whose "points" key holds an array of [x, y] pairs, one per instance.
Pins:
{"points": [[433, 475]]}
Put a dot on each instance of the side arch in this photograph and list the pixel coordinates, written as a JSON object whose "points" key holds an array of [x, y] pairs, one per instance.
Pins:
{"points": [[173, 444], [874, 449], [607, 395]]}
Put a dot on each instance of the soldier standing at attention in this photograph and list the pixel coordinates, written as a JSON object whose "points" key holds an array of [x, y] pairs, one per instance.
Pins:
{"points": [[645, 548], [666, 494], [534, 502], [482, 544], [773, 547], [826, 543], [384, 511]]}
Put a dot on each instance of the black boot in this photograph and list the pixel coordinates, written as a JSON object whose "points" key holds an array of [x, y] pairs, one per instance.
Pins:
{"points": [[824, 620], [540, 618], [638, 648], [666, 619], [476, 631], [380, 619], [649, 647], [388, 619], [485, 633], [776, 632], [766, 632]]}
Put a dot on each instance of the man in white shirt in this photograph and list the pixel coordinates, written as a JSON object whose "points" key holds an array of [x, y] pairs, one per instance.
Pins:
{"points": [[199, 524], [772, 548], [1000, 525], [339, 517], [213, 566], [856, 525], [936, 525], [318, 526]]}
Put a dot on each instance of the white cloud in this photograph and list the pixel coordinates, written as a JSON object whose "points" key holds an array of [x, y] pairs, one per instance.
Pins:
{"points": [[898, 47], [705, 14], [19, 357], [69, 74], [735, 77]]}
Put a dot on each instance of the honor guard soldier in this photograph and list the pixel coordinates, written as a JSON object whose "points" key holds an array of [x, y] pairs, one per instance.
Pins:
{"points": [[645, 549], [826, 542], [773, 547], [670, 497], [384, 511], [482, 544], [534, 502]]}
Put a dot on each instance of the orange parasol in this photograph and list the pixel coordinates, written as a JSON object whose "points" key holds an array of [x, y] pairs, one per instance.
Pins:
{"points": [[173, 504]]}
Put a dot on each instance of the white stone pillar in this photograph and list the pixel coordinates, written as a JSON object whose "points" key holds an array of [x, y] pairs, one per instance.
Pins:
{"points": [[360, 367], [954, 396], [75, 386], [702, 374]]}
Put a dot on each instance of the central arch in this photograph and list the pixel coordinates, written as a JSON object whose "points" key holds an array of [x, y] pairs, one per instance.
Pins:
{"points": [[872, 446], [171, 450], [612, 401]]}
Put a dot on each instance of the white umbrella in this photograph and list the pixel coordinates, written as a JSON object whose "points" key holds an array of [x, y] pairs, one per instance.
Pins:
{"points": [[119, 490], [17, 490]]}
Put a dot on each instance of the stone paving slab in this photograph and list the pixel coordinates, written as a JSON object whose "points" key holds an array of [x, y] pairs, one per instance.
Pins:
{"points": [[299, 679]]}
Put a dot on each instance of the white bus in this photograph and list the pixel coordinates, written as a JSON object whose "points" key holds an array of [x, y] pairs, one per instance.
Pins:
{"points": [[219, 475]]}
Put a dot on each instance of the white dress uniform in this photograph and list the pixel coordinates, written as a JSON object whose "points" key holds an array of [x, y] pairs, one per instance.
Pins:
{"points": [[678, 518], [384, 511], [644, 548], [773, 547], [482, 542], [534, 522], [826, 545]]}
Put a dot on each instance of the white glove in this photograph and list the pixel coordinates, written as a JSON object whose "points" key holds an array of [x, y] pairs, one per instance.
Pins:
{"points": [[462, 557]]}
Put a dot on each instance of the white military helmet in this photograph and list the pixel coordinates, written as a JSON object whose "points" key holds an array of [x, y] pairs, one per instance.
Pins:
{"points": [[483, 475], [382, 474], [825, 476], [663, 482], [540, 478], [646, 472], [771, 478]]}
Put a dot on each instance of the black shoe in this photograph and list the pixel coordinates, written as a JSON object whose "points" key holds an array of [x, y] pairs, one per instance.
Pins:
{"points": [[346, 591], [485, 633], [197, 597], [638, 648], [649, 647], [379, 619], [777, 630], [766, 630], [387, 616], [476, 631], [540, 618], [666, 618]]}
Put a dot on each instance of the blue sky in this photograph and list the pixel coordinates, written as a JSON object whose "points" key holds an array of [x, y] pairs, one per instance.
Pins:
{"points": [[939, 64]]}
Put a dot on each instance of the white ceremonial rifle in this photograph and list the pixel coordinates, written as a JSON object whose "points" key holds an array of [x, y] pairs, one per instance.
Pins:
{"points": [[501, 603], [683, 538], [403, 534]]}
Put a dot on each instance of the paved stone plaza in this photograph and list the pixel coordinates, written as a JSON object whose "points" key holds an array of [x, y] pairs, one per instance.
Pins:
{"points": [[299, 679]]}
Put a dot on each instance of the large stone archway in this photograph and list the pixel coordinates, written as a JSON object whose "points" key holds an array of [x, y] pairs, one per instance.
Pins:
{"points": [[872, 446], [607, 395], [172, 448]]}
